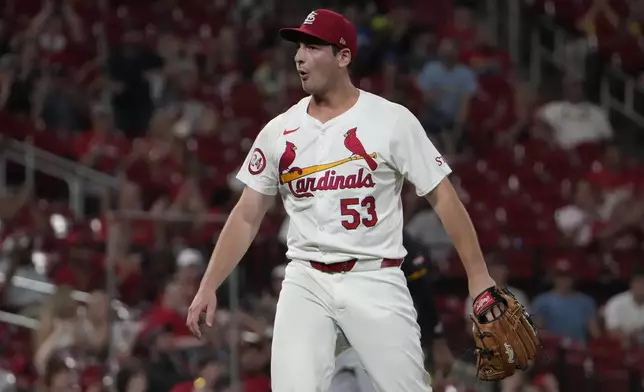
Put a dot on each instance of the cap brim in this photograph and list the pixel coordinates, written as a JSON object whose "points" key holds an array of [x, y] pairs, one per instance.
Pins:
{"points": [[296, 34]]}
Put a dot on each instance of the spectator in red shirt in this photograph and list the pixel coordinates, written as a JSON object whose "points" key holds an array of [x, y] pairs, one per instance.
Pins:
{"points": [[461, 29], [169, 311], [255, 357], [208, 378], [103, 146], [81, 269], [485, 59]]}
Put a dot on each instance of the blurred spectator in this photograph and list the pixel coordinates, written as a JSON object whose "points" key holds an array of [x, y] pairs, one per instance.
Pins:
{"points": [[80, 269], [101, 147], [255, 360], [56, 27], [58, 330], [19, 78], [447, 87], [169, 312], [272, 75], [60, 103], [131, 380], [493, 109], [129, 276], [624, 312], [267, 303], [572, 121], [162, 370], [563, 310], [605, 208], [210, 373], [5, 38], [191, 265], [58, 377], [94, 324], [423, 50], [461, 29], [619, 188], [484, 58], [543, 382], [129, 65], [580, 222], [521, 115]]}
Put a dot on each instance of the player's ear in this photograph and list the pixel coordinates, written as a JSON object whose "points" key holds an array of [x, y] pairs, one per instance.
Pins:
{"points": [[344, 57]]}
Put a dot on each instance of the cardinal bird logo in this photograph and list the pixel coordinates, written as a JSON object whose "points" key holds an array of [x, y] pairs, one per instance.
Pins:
{"points": [[353, 144], [287, 159]]}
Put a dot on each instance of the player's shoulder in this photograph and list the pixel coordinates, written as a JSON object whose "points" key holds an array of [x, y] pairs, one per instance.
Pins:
{"points": [[381, 108]]}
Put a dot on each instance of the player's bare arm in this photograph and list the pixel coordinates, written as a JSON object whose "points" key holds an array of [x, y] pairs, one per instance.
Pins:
{"points": [[235, 239], [458, 225]]}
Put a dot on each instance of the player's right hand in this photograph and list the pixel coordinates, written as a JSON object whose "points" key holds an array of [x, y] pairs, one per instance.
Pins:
{"points": [[204, 301]]}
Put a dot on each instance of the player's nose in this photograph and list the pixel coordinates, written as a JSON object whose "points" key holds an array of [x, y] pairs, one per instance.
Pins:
{"points": [[299, 55]]}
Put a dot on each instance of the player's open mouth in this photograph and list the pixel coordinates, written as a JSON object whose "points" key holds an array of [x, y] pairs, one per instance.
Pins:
{"points": [[303, 74]]}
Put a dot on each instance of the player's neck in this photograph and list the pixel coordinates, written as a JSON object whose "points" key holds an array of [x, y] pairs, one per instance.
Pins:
{"points": [[339, 98]]}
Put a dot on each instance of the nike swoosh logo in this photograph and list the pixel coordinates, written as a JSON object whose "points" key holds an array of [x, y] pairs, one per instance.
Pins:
{"points": [[286, 132]]}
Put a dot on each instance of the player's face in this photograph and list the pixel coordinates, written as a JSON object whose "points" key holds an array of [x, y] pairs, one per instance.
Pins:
{"points": [[318, 66]]}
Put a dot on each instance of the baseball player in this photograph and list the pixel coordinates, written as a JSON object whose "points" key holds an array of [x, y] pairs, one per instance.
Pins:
{"points": [[338, 159]]}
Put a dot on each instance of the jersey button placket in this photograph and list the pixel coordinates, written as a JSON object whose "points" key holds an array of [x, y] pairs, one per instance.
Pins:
{"points": [[321, 208]]}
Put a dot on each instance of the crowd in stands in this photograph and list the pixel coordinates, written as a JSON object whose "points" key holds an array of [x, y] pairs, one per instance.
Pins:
{"points": [[168, 96]]}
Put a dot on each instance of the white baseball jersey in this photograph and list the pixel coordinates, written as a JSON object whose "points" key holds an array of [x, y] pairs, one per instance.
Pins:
{"points": [[340, 181]]}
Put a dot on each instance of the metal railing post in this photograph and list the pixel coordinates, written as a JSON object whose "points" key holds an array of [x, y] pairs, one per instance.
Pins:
{"points": [[112, 294], [514, 23], [76, 197], [30, 165]]}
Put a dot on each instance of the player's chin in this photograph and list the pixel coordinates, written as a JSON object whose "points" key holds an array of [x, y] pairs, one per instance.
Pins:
{"points": [[307, 86]]}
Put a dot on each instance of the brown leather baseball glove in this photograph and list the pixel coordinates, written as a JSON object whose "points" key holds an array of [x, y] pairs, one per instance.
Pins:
{"points": [[505, 336]]}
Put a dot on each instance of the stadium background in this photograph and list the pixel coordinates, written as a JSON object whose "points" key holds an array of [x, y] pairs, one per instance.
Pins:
{"points": [[123, 123]]}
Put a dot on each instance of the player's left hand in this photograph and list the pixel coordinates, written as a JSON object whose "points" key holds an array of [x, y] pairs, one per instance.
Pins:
{"points": [[477, 285]]}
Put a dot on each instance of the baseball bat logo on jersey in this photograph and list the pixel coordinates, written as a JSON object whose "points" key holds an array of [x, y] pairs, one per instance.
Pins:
{"points": [[301, 183]]}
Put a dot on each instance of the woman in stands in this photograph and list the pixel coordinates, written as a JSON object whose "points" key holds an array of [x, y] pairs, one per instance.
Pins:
{"points": [[68, 331]]}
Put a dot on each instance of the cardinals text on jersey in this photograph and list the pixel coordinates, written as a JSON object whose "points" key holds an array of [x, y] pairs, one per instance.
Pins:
{"points": [[306, 183], [340, 181]]}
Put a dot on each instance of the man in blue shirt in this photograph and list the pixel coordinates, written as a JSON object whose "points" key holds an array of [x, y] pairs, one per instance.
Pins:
{"points": [[447, 87], [564, 311]]}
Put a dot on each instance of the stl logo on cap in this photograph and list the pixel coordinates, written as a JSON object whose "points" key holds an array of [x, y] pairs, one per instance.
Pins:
{"points": [[310, 18]]}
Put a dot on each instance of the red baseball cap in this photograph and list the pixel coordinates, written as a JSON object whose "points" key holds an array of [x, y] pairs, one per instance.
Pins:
{"points": [[328, 26]]}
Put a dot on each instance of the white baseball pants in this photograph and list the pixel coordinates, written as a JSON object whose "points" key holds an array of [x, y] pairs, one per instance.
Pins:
{"points": [[374, 310]]}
